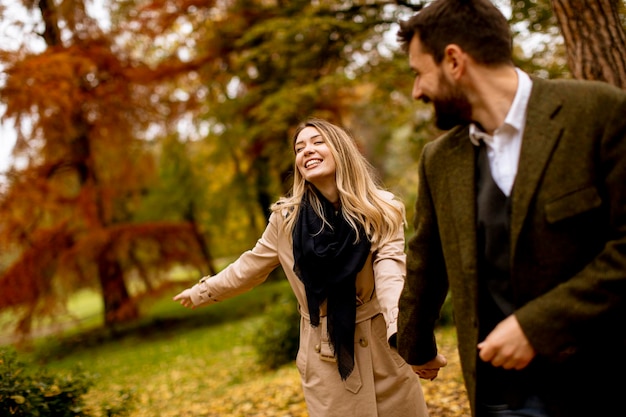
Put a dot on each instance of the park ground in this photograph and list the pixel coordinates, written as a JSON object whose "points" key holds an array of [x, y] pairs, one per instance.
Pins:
{"points": [[198, 363]]}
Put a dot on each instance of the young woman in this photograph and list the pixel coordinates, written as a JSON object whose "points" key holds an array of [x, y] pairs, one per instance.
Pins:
{"points": [[340, 240]]}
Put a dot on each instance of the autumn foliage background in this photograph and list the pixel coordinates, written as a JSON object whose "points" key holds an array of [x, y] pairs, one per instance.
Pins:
{"points": [[152, 135]]}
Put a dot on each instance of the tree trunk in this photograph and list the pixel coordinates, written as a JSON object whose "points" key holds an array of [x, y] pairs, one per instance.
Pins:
{"points": [[594, 38], [264, 198], [118, 306], [190, 216], [51, 33]]}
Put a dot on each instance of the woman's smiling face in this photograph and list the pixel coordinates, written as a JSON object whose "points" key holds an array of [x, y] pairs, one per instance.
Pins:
{"points": [[314, 158]]}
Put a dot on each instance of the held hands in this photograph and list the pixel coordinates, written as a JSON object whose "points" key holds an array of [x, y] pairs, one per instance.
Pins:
{"points": [[185, 298], [430, 369], [507, 346]]}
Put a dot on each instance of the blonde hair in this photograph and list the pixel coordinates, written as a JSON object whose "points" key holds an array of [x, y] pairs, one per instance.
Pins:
{"points": [[362, 200]]}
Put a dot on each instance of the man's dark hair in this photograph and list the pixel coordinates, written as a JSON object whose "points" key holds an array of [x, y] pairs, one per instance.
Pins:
{"points": [[477, 26]]}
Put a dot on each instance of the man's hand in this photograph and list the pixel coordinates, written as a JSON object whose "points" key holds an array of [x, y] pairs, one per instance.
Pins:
{"points": [[507, 346], [185, 298], [430, 369]]}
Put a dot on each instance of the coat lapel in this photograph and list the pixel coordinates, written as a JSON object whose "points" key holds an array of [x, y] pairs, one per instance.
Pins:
{"points": [[541, 135]]}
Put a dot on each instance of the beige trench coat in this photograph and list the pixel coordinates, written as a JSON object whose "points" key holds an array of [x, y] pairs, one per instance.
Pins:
{"points": [[381, 384]]}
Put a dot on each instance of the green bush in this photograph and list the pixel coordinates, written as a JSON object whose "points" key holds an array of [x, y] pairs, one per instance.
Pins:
{"points": [[23, 393], [277, 339], [39, 394]]}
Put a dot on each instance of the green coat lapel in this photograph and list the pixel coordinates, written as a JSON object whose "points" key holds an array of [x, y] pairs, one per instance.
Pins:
{"points": [[541, 135]]}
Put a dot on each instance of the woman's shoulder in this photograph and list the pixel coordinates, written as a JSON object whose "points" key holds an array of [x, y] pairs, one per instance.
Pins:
{"points": [[389, 197], [386, 194], [281, 209], [392, 200]]}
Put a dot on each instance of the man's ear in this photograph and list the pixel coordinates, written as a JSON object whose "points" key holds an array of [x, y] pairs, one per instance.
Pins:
{"points": [[454, 61]]}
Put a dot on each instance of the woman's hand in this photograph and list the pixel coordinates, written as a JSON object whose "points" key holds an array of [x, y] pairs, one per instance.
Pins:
{"points": [[430, 369], [185, 298]]}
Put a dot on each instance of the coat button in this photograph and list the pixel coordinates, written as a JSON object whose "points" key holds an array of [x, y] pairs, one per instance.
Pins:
{"points": [[363, 342], [318, 349]]}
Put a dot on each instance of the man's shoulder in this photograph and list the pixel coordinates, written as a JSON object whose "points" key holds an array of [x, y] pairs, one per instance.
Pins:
{"points": [[567, 87], [578, 101]]}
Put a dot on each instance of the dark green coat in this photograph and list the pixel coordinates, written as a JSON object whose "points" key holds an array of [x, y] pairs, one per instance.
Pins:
{"points": [[568, 247]]}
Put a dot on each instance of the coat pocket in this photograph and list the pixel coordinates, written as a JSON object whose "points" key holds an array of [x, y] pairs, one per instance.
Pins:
{"points": [[303, 348], [572, 204]]}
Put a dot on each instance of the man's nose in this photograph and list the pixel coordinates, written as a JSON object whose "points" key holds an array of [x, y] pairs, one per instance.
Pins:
{"points": [[417, 92]]}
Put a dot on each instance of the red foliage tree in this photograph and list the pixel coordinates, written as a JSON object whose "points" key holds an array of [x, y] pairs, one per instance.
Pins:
{"points": [[80, 108]]}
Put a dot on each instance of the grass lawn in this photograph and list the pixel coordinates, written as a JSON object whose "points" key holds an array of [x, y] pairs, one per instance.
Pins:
{"points": [[202, 362]]}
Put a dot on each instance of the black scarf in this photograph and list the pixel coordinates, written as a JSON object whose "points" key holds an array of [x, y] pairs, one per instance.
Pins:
{"points": [[327, 260]]}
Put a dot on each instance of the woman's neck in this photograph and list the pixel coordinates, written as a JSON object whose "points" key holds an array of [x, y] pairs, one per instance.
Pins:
{"points": [[331, 194]]}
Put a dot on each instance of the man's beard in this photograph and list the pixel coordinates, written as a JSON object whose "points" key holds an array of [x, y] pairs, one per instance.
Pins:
{"points": [[451, 106]]}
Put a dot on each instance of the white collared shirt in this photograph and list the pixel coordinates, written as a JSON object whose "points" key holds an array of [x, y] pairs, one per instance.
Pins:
{"points": [[503, 148]]}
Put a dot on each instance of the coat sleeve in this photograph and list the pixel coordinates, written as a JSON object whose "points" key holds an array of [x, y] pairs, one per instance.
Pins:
{"points": [[426, 283], [389, 273], [249, 270]]}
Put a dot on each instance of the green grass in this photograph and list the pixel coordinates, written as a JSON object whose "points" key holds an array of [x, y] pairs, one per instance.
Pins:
{"points": [[171, 359], [161, 320], [174, 364]]}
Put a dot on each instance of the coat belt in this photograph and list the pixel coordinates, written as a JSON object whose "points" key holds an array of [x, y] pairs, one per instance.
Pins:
{"points": [[364, 311]]}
